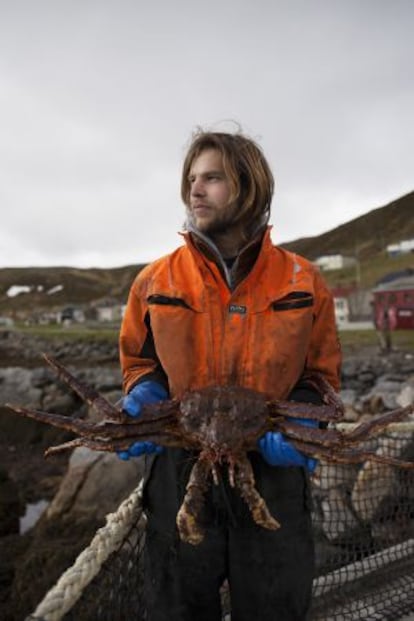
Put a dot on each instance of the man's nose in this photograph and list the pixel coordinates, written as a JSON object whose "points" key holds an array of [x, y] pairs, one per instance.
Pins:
{"points": [[198, 188]]}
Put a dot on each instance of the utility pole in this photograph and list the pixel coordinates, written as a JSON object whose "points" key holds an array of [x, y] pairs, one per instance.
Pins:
{"points": [[357, 266]]}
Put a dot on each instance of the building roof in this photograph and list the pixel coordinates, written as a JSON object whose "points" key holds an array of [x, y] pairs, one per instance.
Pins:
{"points": [[398, 284], [408, 271]]}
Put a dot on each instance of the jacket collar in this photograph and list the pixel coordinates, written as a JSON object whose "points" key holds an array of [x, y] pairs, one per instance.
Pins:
{"points": [[244, 261]]}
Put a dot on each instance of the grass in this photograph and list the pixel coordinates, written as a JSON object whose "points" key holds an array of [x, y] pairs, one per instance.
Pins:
{"points": [[355, 339], [350, 339], [75, 332]]}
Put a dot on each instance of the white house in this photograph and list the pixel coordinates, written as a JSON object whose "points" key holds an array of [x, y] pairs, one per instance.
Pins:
{"points": [[70, 314], [109, 312], [341, 310], [403, 247], [334, 262]]}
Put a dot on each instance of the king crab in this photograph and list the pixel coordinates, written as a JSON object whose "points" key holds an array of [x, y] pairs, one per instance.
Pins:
{"points": [[223, 423]]}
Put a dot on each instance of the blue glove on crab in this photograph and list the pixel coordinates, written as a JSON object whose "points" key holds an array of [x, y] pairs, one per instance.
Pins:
{"points": [[277, 451], [141, 394]]}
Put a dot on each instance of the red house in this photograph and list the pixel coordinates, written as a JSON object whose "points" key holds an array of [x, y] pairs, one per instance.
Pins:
{"points": [[394, 303]]}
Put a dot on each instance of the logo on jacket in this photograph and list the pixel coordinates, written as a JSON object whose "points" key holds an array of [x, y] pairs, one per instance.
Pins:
{"points": [[236, 308]]}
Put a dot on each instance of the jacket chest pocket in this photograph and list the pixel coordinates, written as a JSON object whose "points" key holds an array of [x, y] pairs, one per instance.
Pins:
{"points": [[291, 317], [283, 331], [171, 318], [280, 337], [163, 300], [292, 301]]}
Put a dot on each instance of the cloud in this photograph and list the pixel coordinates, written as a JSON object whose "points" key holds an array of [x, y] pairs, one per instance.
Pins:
{"points": [[98, 103]]}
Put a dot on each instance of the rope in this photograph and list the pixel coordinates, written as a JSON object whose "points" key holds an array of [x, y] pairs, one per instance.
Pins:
{"points": [[107, 539]]}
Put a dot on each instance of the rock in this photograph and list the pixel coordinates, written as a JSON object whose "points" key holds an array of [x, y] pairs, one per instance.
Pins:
{"points": [[338, 521], [380, 398], [350, 369], [376, 404], [343, 475], [54, 400], [104, 379], [348, 397], [11, 506], [12, 551], [16, 387], [367, 377], [406, 394], [376, 482], [373, 483], [41, 377], [94, 484], [351, 415]]}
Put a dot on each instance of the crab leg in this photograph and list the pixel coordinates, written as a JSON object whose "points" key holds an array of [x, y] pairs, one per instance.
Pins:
{"points": [[335, 439], [298, 409], [129, 428], [187, 517], [348, 455], [104, 444], [96, 400], [87, 393], [323, 437], [58, 420], [112, 446], [324, 388], [67, 446], [110, 436], [244, 480], [376, 425]]}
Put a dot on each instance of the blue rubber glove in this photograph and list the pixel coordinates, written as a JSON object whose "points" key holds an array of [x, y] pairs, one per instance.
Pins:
{"points": [[141, 394], [277, 451]]}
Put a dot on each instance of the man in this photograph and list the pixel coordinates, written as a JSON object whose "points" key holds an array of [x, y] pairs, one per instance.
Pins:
{"points": [[228, 308]]}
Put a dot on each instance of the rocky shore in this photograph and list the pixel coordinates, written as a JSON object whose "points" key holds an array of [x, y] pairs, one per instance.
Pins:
{"points": [[81, 489]]}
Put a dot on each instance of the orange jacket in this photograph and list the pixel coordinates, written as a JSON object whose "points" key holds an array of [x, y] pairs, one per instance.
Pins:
{"points": [[183, 322]]}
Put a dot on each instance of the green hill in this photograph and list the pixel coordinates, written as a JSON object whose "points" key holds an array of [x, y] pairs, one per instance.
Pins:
{"points": [[367, 235], [55, 287], [365, 238]]}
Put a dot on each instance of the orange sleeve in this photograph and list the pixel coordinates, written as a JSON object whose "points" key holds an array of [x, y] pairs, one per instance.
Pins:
{"points": [[136, 347], [324, 350]]}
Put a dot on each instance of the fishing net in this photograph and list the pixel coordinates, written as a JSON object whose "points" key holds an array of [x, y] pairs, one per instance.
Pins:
{"points": [[363, 517]]}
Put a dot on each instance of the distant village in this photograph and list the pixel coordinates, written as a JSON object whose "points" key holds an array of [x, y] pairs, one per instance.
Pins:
{"points": [[103, 312], [390, 304]]}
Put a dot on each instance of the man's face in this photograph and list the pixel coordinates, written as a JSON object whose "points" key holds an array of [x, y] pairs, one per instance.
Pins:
{"points": [[209, 209]]}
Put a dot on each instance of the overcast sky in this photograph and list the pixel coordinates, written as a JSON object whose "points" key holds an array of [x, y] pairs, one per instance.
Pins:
{"points": [[98, 100]]}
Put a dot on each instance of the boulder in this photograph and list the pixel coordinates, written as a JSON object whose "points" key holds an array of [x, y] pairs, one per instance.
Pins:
{"points": [[11, 506], [16, 386], [94, 485]]}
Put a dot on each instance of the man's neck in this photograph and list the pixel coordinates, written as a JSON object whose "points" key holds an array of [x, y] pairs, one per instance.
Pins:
{"points": [[229, 243]]}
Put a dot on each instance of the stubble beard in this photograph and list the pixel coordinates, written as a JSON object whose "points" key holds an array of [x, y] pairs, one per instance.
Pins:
{"points": [[219, 224]]}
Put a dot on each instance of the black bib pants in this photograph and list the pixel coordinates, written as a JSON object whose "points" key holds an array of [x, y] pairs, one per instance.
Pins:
{"points": [[269, 572]]}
